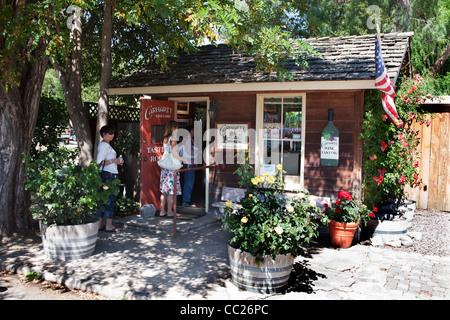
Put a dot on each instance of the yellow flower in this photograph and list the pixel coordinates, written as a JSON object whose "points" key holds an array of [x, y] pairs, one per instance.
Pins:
{"points": [[254, 181], [244, 219], [250, 195], [271, 179], [280, 167], [228, 203]]}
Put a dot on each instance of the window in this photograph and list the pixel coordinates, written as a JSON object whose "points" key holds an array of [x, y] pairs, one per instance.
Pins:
{"points": [[280, 120]]}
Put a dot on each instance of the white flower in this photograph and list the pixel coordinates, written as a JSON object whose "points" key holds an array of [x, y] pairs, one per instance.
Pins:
{"points": [[290, 209], [279, 230], [105, 187]]}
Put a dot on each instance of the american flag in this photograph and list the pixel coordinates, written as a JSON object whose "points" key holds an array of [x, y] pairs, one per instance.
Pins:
{"points": [[383, 84]]}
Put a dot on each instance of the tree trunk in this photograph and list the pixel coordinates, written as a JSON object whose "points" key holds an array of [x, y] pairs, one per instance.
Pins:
{"points": [[70, 80], [102, 115], [19, 107], [440, 61]]}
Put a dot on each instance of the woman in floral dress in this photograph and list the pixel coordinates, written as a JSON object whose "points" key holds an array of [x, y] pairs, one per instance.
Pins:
{"points": [[166, 185]]}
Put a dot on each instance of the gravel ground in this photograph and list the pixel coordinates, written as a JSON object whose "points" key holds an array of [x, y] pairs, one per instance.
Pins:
{"points": [[435, 228]]}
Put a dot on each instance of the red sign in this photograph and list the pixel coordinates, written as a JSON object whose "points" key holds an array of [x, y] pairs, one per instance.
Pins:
{"points": [[154, 117]]}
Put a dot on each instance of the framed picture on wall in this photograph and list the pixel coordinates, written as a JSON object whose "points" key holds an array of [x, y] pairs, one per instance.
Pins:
{"points": [[232, 135], [182, 107]]}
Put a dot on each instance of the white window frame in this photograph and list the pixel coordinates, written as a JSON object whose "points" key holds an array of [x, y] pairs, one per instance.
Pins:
{"points": [[291, 184]]}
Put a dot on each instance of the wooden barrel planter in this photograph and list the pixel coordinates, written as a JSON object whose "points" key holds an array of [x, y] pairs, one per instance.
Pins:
{"points": [[269, 276], [69, 242], [394, 219], [388, 227]]}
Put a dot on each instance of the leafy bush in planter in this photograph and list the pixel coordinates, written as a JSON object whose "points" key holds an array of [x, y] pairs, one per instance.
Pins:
{"points": [[63, 192], [269, 222]]}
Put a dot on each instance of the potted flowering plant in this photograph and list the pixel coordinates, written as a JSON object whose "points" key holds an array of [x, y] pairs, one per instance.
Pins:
{"points": [[65, 197], [391, 159], [267, 231], [344, 217]]}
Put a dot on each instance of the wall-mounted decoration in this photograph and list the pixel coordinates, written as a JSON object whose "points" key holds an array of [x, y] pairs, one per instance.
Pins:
{"points": [[232, 136], [182, 107], [329, 144]]}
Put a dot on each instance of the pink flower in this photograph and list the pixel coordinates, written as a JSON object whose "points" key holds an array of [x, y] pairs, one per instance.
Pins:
{"points": [[405, 144], [382, 171], [402, 179], [414, 87], [384, 116]]}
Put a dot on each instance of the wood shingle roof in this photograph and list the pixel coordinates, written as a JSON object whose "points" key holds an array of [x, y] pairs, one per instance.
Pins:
{"points": [[344, 58]]}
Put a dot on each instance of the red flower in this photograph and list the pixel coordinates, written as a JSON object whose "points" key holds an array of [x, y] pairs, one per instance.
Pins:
{"points": [[375, 209], [383, 145], [382, 171], [378, 179], [338, 210], [372, 215], [402, 179], [344, 195]]}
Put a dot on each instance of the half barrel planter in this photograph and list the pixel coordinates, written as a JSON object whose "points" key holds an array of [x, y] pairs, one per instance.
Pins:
{"points": [[69, 242], [394, 220], [270, 276]]}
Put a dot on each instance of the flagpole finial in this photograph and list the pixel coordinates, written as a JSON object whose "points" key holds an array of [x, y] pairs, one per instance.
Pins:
{"points": [[378, 33]]}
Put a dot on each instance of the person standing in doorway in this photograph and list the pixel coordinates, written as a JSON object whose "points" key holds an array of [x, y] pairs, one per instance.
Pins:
{"points": [[168, 190], [189, 152], [107, 161]]}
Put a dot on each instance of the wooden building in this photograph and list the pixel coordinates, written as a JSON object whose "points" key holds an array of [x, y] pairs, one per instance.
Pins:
{"points": [[219, 79]]}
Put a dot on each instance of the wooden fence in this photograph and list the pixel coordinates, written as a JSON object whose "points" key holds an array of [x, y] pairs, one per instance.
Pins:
{"points": [[434, 164]]}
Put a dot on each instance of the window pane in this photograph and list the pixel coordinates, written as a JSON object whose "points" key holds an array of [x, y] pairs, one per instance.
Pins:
{"points": [[291, 156], [292, 117], [272, 152], [272, 118]]}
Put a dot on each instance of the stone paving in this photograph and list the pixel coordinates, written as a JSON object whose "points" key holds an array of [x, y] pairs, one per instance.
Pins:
{"points": [[144, 261]]}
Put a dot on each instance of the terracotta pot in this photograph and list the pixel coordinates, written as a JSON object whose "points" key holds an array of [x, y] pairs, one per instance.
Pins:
{"points": [[341, 234]]}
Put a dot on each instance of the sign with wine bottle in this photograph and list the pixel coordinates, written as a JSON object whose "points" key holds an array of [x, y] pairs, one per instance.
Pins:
{"points": [[329, 144]]}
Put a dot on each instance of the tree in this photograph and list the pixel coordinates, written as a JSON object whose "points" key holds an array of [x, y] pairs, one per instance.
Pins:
{"points": [[23, 62], [66, 60]]}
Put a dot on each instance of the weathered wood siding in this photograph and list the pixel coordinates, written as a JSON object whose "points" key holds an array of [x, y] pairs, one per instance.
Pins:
{"points": [[347, 117], [319, 180], [434, 164]]}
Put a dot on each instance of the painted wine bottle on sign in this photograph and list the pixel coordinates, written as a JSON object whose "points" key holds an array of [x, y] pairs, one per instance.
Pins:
{"points": [[329, 144]]}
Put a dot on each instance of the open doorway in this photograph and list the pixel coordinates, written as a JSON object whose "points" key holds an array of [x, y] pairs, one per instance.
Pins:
{"points": [[191, 114]]}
